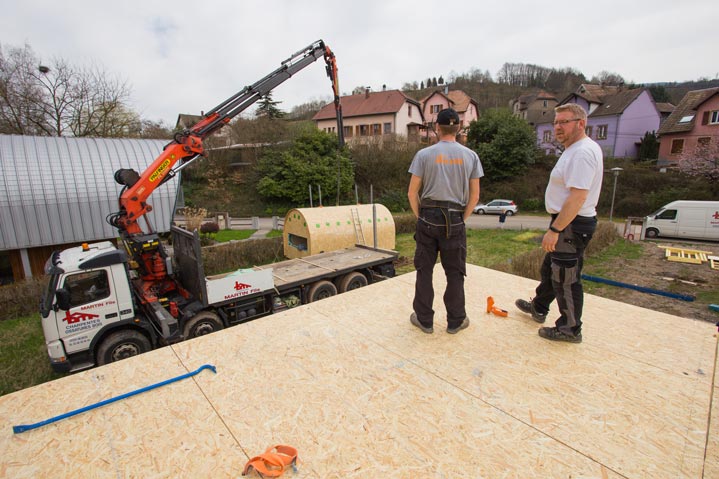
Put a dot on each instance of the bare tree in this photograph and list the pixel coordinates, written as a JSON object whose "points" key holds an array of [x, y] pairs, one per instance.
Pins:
{"points": [[59, 99], [20, 94], [608, 78]]}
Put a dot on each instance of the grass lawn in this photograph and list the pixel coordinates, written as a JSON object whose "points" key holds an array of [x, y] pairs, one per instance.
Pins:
{"points": [[23, 357], [224, 236], [484, 247]]}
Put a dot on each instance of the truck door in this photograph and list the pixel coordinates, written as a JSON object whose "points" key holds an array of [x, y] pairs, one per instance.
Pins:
{"points": [[92, 304], [666, 222]]}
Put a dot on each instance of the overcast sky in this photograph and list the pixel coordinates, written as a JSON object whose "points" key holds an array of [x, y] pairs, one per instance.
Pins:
{"points": [[183, 57]]}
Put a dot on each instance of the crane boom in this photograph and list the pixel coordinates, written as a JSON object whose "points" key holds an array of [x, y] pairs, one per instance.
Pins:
{"points": [[188, 144], [145, 248]]}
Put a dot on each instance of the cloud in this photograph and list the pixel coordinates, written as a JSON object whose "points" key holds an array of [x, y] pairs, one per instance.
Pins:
{"points": [[186, 57]]}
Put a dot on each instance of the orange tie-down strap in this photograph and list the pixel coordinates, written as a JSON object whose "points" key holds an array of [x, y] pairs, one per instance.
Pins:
{"points": [[272, 462], [491, 308]]}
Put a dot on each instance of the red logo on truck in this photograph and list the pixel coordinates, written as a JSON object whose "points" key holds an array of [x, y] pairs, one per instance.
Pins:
{"points": [[239, 286], [77, 317], [716, 215]]}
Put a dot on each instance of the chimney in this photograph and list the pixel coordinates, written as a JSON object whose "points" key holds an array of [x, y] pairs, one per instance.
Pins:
{"points": [[366, 92], [446, 89]]}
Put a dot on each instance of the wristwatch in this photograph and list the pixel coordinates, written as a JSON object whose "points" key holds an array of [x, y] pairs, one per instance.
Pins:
{"points": [[553, 229]]}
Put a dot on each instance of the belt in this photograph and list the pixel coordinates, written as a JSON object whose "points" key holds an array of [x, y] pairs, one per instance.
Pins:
{"points": [[450, 205]]}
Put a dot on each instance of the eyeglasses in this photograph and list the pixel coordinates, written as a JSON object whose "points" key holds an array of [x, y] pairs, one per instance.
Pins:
{"points": [[564, 122]]}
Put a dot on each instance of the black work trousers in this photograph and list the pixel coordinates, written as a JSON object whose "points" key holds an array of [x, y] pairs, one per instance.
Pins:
{"points": [[440, 231], [561, 275]]}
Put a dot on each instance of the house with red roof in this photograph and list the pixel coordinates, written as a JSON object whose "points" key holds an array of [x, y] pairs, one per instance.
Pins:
{"points": [[374, 114], [463, 104]]}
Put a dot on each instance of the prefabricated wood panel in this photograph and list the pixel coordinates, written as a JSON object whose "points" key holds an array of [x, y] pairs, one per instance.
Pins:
{"points": [[309, 231], [362, 393]]}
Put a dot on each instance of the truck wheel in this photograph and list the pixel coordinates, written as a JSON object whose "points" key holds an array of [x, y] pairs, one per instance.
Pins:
{"points": [[122, 345], [352, 281], [321, 290], [651, 233], [201, 324]]}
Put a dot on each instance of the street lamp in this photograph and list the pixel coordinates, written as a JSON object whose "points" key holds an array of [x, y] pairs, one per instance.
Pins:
{"points": [[616, 171]]}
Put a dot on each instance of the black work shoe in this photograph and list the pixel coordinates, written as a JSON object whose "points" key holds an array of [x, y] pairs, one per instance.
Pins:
{"points": [[415, 322], [464, 325], [528, 307], [554, 334]]}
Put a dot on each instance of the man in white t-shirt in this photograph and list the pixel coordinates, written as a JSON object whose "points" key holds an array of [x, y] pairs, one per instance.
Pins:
{"points": [[571, 198]]}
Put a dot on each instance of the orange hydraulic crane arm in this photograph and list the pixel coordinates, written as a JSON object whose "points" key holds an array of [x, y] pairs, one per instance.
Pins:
{"points": [[187, 145]]}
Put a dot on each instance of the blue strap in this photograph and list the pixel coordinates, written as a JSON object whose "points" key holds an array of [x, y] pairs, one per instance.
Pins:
{"points": [[27, 427], [597, 279]]}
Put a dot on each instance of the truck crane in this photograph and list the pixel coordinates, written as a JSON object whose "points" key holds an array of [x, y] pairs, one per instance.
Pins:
{"points": [[105, 303], [145, 247]]}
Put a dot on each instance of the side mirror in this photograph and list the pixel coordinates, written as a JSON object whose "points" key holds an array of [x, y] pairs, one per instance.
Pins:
{"points": [[63, 299]]}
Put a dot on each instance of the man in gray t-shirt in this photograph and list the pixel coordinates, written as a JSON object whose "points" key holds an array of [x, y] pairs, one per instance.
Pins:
{"points": [[443, 190]]}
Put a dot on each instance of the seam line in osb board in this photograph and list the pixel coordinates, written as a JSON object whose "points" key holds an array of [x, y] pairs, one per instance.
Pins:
{"points": [[493, 406], [209, 401], [712, 398]]}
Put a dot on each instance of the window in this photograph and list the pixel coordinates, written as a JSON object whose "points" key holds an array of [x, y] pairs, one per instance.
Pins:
{"points": [[602, 132], [387, 128], [376, 129], [677, 146], [703, 144], [686, 119], [667, 215], [363, 130], [714, 117], [547, 138], [348, 131], [87, 287], [588, 131], [435, 108], [544, 103], [409, 111], [6, 276]]}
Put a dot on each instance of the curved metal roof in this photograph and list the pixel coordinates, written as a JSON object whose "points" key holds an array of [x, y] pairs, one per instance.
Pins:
{"points": [[56, 190]]}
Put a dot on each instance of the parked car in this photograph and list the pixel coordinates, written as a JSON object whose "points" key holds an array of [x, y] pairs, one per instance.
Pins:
{"points": [[496, 207]]}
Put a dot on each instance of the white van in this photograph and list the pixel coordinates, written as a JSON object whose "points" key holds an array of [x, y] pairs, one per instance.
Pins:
{"points": [[684, 219]]}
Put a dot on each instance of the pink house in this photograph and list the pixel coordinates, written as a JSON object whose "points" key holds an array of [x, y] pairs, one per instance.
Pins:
{"points": [[694, 125], [467, 108]]}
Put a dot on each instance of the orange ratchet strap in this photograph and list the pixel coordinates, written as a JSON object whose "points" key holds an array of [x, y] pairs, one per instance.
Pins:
{"points": [[491, 308], [272, 462]]}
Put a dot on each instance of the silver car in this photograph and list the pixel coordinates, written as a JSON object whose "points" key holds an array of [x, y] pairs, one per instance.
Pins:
{"points": [[496, 207]]}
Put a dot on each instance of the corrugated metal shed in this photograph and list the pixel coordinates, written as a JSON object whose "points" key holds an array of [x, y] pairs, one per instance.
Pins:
{"points": [[56, 190]]}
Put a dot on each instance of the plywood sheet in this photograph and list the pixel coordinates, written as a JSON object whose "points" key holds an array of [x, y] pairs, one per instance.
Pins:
{"points": [[169, 432], [361, 393]]}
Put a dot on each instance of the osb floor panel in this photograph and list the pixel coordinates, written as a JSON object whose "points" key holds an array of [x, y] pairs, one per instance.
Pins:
{"points": [[363, 394]]}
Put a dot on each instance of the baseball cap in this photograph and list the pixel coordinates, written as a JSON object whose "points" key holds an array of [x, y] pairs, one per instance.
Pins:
{"points": [[448, 117]]}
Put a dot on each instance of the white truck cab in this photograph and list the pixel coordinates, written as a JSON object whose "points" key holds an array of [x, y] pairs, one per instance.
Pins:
{"points": [[88, 292]]}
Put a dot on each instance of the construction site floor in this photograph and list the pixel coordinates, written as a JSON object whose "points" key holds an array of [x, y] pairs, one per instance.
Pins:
{"points": [[363, 394]]}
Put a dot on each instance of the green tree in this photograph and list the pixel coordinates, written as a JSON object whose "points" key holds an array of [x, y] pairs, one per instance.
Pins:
{"points": [[506, 145], [649, 147], [312, 159], [267, 107]]}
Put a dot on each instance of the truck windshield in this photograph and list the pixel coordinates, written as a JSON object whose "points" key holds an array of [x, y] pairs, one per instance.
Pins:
{"points": [[49, 295]]}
